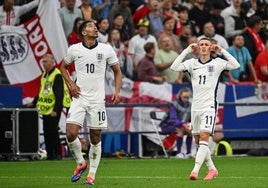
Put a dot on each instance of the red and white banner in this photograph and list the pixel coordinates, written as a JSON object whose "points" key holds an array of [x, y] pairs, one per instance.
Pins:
{"points": [[137, 119], [134, 118], [22, 47]]}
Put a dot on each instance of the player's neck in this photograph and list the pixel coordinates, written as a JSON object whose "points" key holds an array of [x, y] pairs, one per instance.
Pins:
{"points": [[204, 58], [89, 42]]}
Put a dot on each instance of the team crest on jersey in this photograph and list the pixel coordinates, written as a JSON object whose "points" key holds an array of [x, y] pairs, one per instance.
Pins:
{"points": [[99, 56], [211, 69], [13, 48]]}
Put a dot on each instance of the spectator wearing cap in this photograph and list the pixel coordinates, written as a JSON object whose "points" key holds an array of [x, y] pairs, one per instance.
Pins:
{"points": [[253, 37], [137, 42], [169, 24]]}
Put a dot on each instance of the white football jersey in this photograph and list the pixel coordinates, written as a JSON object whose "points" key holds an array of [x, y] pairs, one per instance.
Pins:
{"points": [[90, 67], [205, 78]]}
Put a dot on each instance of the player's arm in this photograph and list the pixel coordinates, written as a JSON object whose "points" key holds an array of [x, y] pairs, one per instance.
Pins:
{"points": [[117, 82], [74, 89], [177, 63]]}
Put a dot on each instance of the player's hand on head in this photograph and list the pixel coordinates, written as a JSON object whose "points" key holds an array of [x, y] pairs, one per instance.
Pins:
{"points": [[215, 48], [192, 47]]}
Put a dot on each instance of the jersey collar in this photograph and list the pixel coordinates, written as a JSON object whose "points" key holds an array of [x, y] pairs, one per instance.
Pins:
{"points": [[205, 62], [91, 47]]}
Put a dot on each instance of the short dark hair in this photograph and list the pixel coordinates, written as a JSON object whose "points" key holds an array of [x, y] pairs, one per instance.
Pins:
{"points": [[253, 20], [117, 15], [183, 8], [205, 38], [237, 35], [148, 47], [83, 25]]}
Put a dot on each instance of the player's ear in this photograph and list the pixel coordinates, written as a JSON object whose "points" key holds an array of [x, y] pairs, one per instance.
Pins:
{"points": [[83, 32]]}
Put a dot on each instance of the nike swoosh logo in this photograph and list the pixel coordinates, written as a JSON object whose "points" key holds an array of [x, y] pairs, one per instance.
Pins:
{"points": [[198, 68]]}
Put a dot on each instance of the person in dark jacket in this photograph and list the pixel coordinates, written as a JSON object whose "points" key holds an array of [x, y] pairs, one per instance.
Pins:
{"points": [[147, 71]]}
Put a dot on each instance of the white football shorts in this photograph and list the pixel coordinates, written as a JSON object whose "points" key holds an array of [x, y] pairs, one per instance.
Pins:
{"points": [[203, 121], [93, 113]]}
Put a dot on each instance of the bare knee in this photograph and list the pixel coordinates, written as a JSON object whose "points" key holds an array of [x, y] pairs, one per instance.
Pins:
{"points": [[196, 139], [72, 132], [204, 136], [95, 136]]}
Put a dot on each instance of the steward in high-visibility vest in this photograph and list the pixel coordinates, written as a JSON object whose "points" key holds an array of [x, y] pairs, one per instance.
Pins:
{"points": [[46, 98], [53, 96]]}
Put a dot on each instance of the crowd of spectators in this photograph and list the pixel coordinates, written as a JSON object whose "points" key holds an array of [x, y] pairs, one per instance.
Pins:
{"points": [[171, 25]]}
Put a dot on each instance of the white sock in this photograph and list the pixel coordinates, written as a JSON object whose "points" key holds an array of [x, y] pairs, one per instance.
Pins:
{"points": [[76, 150], [94, 155], [209, 161], [200, 156]]}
